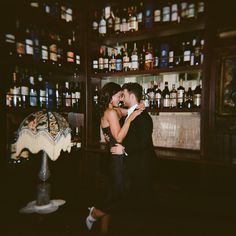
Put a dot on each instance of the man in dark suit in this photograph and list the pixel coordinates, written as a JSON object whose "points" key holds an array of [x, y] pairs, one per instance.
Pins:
{"points": [[137, 145]]}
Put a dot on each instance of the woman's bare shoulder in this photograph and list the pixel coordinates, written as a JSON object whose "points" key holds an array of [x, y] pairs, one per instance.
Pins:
{"points": [[110, 113]]}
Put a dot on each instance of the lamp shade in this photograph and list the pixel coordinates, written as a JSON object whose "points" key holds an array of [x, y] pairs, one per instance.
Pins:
{"points": [[46, 131]]}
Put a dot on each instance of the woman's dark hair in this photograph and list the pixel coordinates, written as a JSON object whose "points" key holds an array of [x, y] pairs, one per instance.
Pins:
{"points": [[106, 94]]}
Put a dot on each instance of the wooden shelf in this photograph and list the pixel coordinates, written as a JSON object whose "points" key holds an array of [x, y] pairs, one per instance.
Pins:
{"points": [[34, 109], [180, 69], [156, 110], [44, 67], [163, 30]]}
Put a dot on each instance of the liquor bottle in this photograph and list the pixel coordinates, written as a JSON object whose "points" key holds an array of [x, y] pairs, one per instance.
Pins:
{"points": [[189, 98], [140, 15], [173, 97], [52, 48], [149, 58], [70, 59], [50, 95], [202, 51], [197, 52], [41, 92], [197, 95], [76, 138], [164, 55], [95, 97], [183, 10], [156, 59], [119, 62], [67, 95], [95, 22], [174, 13], [110, 23], [158, 95], [146, 97], [77, 102], [191, 11], [117, 22], [124, 21], [113, 60], [73, 100], [178, 55], [60, 51], [106, 61], [141, 58], [151, 94], [33, 92], [102, 27], [95, 64], [126, 59], [44, 47], [15, 90], [186, 53], [192, 52], [171, 57], [148, 21], [69, 13], [46, 6], [28, 44], [101, 60], [166, 13], [36, 44], [134, 59], [166, 96], [58, 96], [132, 19], [24, 89], [180, 94], [63, 11], [20, 39], [157, 15], [200, 9]]}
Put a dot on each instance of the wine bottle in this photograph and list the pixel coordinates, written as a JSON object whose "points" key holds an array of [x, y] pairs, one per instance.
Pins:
{"points": [[166, 96], [33, 92], [180, 94], [197, 95], [158, 95], [173, 97], [134, 59], [189, 98], [41, 92], [24, 89], [102, 27], [149, 58]]}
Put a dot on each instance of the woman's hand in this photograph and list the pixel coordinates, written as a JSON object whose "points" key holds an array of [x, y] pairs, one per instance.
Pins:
{"points": [[118, 149], [134, 114]]}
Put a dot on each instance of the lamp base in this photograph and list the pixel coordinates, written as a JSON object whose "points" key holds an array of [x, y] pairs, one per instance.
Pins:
{"points": [[52, 206]]}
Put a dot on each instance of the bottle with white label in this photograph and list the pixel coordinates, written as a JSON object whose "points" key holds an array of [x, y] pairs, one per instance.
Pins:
{"points": [[134, 59], [102, 27], [33, 92]]}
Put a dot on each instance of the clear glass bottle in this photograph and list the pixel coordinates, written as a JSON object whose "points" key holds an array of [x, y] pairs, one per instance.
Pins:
{"points": [[173, 97]]}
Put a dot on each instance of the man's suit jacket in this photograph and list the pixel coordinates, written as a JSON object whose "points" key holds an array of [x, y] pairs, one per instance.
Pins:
{"points": [[139, 147]]}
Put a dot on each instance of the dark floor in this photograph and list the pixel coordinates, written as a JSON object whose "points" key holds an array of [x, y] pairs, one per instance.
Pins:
{"points": [[178, 209]]}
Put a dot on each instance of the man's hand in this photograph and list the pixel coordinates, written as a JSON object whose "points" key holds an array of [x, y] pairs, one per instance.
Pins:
{"points": [[118, 149]]}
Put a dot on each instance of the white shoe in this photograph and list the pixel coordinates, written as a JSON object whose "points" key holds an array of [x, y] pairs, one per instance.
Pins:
{"points": [[90, 220]]}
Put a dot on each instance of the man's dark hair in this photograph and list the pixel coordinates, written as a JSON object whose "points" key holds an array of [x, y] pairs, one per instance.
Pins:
{"points": [[134, 88]]}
